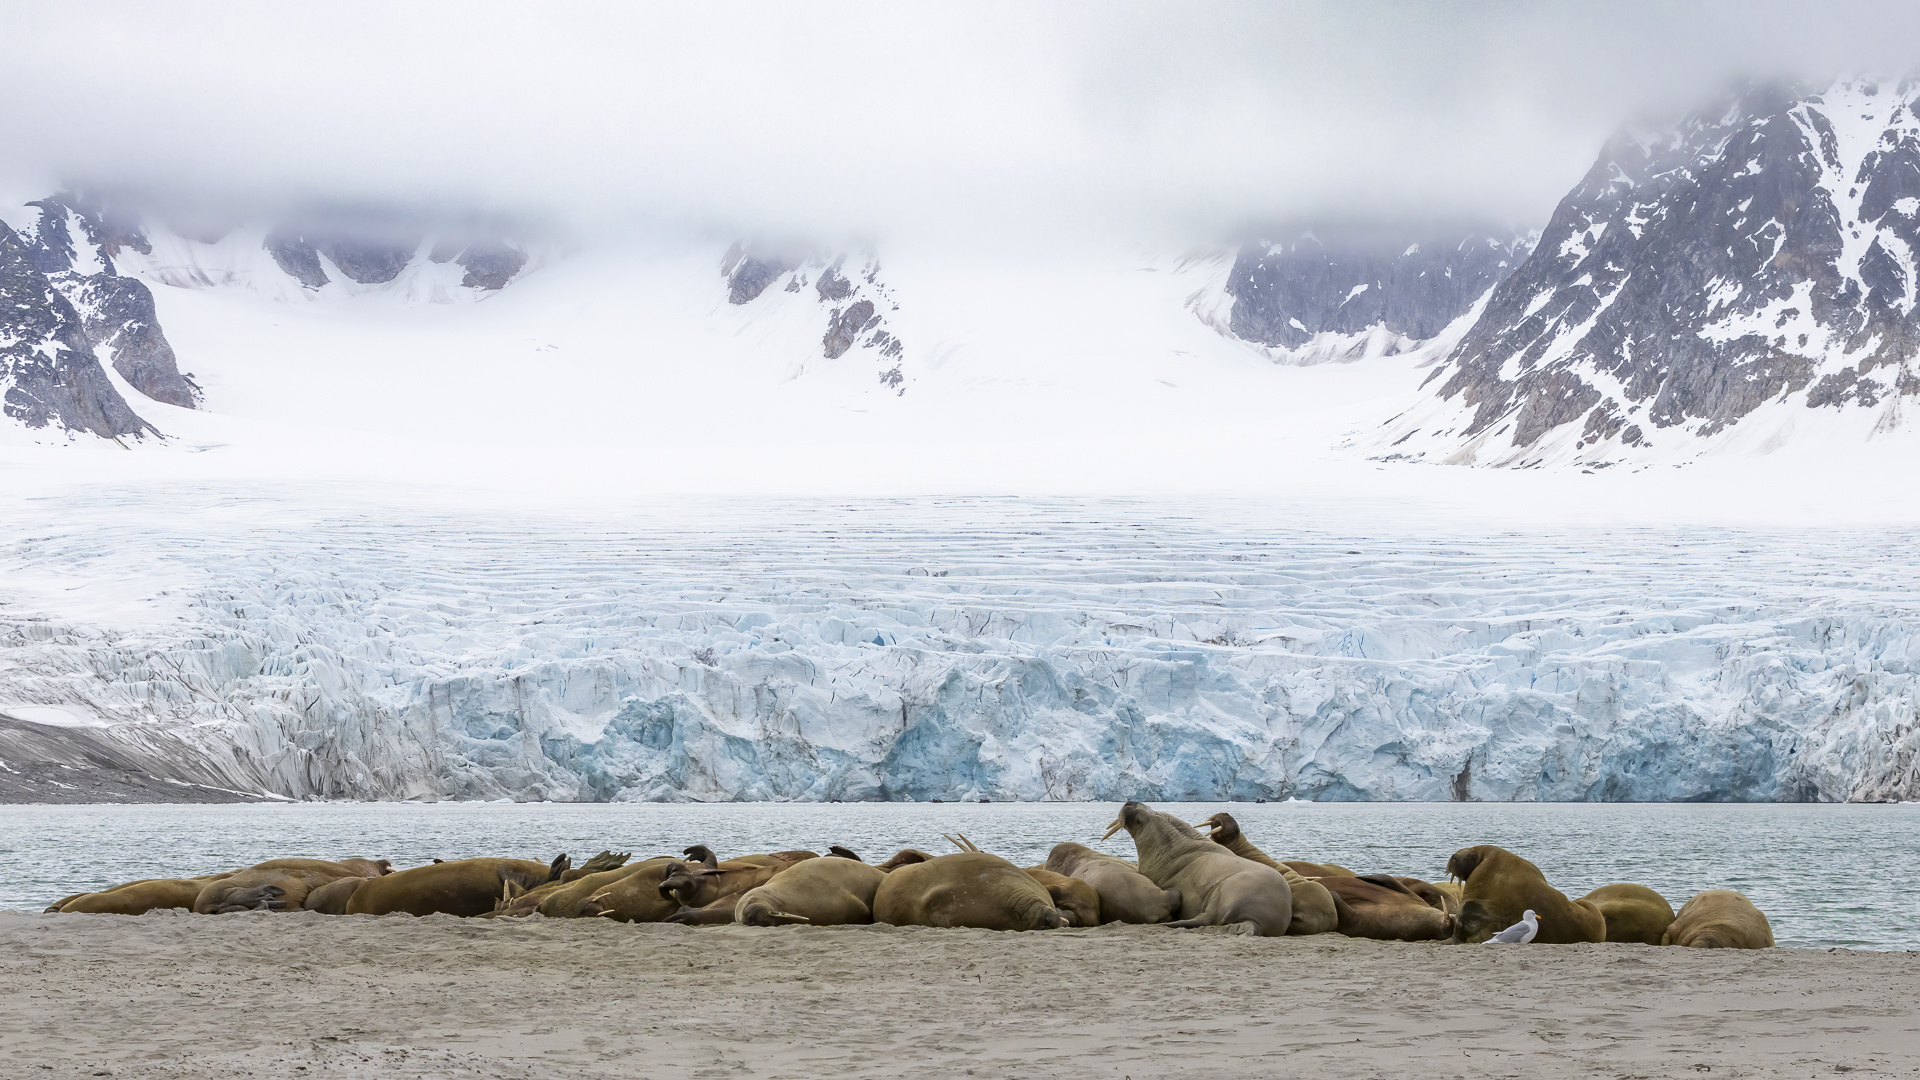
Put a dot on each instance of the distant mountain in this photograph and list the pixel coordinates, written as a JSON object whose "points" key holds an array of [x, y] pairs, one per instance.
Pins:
{"points": [[1330, 294], [50, 377], [854, 303], [1752, 265]]}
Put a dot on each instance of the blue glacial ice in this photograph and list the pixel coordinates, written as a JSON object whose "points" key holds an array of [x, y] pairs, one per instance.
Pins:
{"points": [[963, 649]]}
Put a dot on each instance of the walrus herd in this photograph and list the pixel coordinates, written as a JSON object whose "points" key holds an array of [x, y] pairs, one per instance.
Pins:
{"points": [[1182, 876]]}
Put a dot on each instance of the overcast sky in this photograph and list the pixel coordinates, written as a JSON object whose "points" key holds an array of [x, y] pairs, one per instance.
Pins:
{"points": [[1158, 120]]}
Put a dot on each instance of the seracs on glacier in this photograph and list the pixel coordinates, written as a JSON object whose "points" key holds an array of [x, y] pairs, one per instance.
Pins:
{"points": [[966, 648]]}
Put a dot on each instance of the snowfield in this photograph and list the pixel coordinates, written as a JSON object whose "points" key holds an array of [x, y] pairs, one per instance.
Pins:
{"points": [[316, 644]]}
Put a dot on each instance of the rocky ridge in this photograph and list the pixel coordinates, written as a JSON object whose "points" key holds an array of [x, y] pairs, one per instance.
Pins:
{"points": [[1340, 294], [1755, 259], [848, 289]]}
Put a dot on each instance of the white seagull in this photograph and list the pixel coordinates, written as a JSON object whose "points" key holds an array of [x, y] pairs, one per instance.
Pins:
{"points": [[1519, 933]]}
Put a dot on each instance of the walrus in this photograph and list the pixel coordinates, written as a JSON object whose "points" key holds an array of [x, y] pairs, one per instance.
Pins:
{"points": [[574, 899], [905, 857], [1432, 895], [1634, 913], [819, 892], [278, 884], [1502, 886], [633, 893], [1078, 901], [1126, 895], [1719, 919], [1317, 869], [517, 901], [462, 887], [971, 888], [708, 895], [139, 897], [1216, 886], [1378, 906], [1313, 907], [332, 898]]}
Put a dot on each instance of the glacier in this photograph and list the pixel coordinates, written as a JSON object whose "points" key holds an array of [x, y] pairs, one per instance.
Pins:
{"points": [[922, 648]]}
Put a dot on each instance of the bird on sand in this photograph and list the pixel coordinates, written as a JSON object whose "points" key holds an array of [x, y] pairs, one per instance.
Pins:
{"points": [[1519, 933]]}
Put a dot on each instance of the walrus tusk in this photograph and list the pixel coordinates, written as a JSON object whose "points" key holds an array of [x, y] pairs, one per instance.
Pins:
{"points": [[1114, 828]]}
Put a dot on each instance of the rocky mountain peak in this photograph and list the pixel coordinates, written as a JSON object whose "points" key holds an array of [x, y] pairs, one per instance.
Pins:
{"points": [[1757, 256]]}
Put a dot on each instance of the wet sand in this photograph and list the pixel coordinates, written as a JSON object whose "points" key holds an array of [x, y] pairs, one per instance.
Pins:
{"points": [[260, 994]]}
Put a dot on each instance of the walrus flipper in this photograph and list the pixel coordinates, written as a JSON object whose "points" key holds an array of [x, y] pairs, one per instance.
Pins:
{"points": [[606, 860], [701, 853], [843, 853], [561, 864]]}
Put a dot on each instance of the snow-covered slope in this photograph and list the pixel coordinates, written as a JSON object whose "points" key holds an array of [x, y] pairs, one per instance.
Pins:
{"points": [[1737, 283]]}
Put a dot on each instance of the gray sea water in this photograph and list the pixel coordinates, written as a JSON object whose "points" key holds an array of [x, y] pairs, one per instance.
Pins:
{"points": [[1826, 875]]}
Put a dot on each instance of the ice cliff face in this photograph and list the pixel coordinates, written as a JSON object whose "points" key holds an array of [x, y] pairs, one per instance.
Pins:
{"points": [[919, 649], [1347, 294], [1752, 265]]}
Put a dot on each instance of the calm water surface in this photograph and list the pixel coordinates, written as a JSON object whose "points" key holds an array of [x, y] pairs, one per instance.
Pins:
{"points": [[1826, 875]]}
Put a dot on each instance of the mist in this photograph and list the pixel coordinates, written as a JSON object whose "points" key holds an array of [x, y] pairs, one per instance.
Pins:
{"points": [[1140, 121]]}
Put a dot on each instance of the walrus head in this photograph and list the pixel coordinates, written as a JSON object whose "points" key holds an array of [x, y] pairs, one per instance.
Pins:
{"points": [[683, 878], [1128, 819], [1464, 861], [1225, 829]]}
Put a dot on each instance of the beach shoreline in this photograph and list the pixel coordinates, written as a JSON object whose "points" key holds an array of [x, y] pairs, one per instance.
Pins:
{"points": [[174, 995]]}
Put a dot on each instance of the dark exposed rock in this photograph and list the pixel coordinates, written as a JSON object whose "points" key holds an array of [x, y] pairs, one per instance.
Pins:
{"points": [[490, 265], [120, 321], [832, 287], [1746, 255], [297, 256], [106, 764], [749, 275], [843, 327], [117, 312], [370, 262], [47, 364], [1348, 281]]}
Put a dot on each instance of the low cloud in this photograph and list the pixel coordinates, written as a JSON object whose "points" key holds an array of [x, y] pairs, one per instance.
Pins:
{"points": [[1137, 121]]}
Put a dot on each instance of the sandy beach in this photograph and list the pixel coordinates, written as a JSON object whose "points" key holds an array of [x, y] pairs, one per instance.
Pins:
{"points": [[172, 995]]}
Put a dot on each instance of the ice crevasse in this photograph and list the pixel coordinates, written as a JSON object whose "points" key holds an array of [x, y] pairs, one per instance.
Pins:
{"points": [[1055, 656]]}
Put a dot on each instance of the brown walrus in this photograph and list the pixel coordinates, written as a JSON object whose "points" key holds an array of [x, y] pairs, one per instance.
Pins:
{"points": [[905, 857], [1502, 887], [820, 892], [463, 887], [1216, 886], [707, 895], [574, 899], [971, 888], [632, 894], [1634, 913], [1719, 919], [278, 884], [1078, 901], [1317, 869], [1126, 895], [1313, 907], [139, 897], [1379, 907]]}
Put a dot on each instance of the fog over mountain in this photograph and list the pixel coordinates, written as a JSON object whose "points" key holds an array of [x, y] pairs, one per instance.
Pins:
{"points": [[1107, 120]]}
